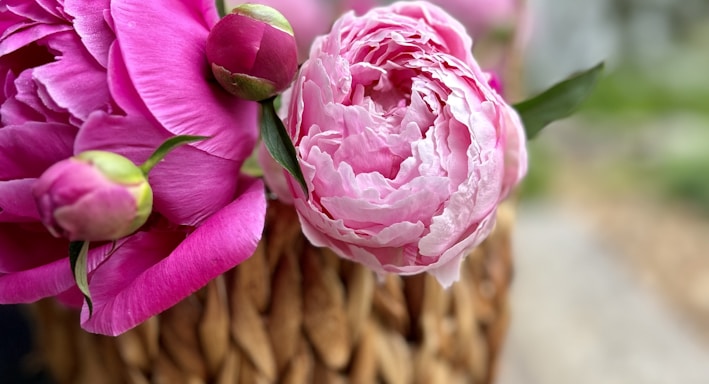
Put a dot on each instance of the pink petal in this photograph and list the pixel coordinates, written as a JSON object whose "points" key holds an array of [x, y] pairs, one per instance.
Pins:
{"points": [[32, 11], [188, 185], [16, 201], [516, 151], [91, 26], [24, 247], [24, 103], [53, 7], [163, 45], [9, 21], [208, 12], [33, 284], [14, 112], [72, 298], [121, 85], [448, 273], [25, 36], [27, 150], [59, 78], [146, 276]]}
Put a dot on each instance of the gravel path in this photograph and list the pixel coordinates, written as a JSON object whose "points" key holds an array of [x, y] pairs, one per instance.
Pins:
{"points": [[580, 316]]}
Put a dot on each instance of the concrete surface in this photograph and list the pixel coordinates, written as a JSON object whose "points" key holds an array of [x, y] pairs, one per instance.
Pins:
{"points": [[580, 316]]}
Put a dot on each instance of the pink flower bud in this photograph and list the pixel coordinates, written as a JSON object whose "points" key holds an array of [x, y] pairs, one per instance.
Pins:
{"points": [[94, 196], [253, 52]]}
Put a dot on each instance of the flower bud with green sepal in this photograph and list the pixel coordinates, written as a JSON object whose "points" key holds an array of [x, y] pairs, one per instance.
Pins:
{"points": [[253, 52], [93, 196]]}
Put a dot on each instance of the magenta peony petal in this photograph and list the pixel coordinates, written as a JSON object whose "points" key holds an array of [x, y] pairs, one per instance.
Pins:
{"points": [[27, 150], [9, 21], [53, 7], [91, 26], [72, 298], [126, 279], [16, 201], [32, 11], [188, 185], [27, 247], [30, 285], [163, 45], [146, 276], [24, 103], [121, 86], [59, 78], [23, 37], [208, 12]]}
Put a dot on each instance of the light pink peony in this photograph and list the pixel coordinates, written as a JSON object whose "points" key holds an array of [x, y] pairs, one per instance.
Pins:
{"points": [[405, 147], [122, 76]]}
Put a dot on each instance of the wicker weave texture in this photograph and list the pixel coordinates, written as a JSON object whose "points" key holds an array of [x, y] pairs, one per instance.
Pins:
{"points": [[298, 314]]}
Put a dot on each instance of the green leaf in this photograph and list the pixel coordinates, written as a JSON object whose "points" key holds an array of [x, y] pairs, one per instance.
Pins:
{"points": [[557, 102], [78, 257], [278, 143], [165, 148]]}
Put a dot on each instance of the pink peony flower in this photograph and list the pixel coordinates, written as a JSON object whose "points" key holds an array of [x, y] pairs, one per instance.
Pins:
{"points": [[94, 196], [405, 148], [122, 76]]}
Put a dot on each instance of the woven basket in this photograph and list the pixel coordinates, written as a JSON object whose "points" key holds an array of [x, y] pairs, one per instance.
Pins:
{"points": [[298, 314]]}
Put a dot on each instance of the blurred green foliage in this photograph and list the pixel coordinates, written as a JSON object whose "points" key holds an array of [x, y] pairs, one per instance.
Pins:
{"points": [[540, 173], [644, 129], [686, 179], [647, 100], [629, 91]]}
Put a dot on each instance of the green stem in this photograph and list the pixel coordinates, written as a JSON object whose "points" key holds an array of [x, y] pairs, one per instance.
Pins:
{"points": [[221, 8], [165, 148]]}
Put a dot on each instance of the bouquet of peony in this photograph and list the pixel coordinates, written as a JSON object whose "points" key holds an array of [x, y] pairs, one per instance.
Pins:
{"points": [[136, 137]]}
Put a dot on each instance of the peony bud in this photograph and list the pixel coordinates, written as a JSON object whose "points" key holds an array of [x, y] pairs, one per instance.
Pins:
{"points": [[94, 196], [253, 52]]}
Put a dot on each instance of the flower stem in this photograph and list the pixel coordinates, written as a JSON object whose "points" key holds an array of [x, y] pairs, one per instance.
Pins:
{"points": [[221, 8], [165, 148]]}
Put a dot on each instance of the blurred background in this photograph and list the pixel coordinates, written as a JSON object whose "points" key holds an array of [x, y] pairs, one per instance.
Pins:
{"points": [[612, 239]]}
